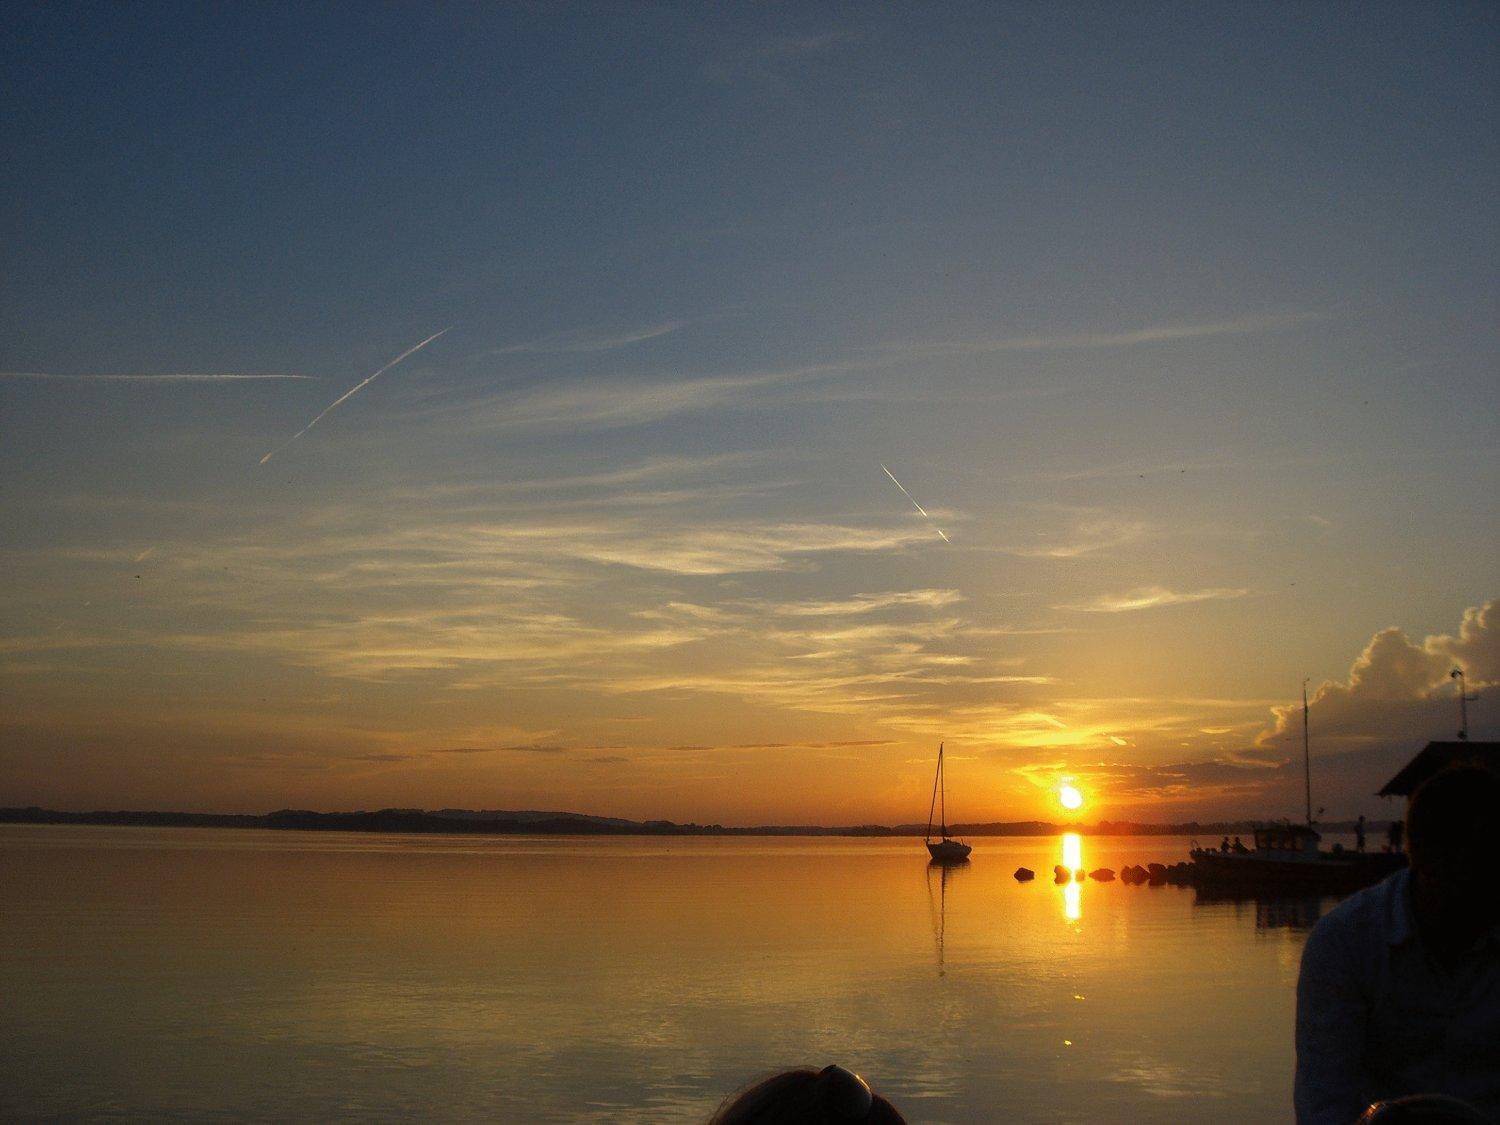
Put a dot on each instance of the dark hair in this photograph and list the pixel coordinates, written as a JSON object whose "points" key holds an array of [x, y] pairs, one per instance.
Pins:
{"points": [[1451, 815], [831, 1096]]}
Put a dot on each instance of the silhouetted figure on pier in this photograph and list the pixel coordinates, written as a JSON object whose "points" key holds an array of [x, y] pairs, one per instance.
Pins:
{"points": [[1239, 846], [831, 1096], [1399, 992], [1395, 835], [1359, 833]]}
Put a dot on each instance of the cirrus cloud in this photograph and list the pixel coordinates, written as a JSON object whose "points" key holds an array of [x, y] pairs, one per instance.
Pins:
{"points": [[1150, 597]]}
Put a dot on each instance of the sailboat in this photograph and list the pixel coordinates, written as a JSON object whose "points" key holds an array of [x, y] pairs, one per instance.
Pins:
{"points": [[944, 849]]}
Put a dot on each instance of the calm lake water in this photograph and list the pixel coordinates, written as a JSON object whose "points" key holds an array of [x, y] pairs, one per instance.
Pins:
{"points": [[156, 973]]}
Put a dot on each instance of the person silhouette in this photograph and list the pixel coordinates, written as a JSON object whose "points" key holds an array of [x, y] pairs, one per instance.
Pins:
{"points": [[1359, 833], [1399, 991], [831, 1096]]}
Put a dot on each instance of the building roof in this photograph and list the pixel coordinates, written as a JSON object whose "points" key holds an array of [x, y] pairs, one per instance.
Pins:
{"points": [[1437, 756]]}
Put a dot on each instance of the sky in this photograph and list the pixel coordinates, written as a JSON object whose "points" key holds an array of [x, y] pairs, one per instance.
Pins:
{"points": [[1178, 322]]}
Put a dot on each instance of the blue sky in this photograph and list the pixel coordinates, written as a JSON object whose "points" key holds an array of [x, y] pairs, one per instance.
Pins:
{"points": [[1180, 321]]}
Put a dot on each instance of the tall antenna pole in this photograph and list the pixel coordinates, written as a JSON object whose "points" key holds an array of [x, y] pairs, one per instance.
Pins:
{"points": [[1464, 698], [1306, 755]]}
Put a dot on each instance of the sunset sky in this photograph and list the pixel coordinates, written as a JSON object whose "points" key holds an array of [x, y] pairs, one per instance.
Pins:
{"points": [[1178, 320]]}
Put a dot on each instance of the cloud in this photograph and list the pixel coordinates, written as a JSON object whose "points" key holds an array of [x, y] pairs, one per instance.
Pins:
{"points": [[527, 749], [770, 63], [171, 377], [1476, 649], [908, 673], [1124, 782], [613, 403], [652, 468], [1150, 597], [861, 604], [839, 744], [1121, 471], [535, 749], [607, 759], [1134, 337], [1084, 532], [1398, 696], [590, 340]]}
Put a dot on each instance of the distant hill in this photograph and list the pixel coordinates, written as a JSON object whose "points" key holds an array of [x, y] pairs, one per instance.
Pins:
{"points": [[530, 822], [528, 817]]}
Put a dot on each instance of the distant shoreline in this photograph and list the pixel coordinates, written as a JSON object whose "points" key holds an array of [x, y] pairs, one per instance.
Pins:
{"points": [[465, 822]]}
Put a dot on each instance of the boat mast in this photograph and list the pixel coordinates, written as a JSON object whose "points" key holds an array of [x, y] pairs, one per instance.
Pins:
{"points": [[943, 790], [932, 807], [1306, 755]]}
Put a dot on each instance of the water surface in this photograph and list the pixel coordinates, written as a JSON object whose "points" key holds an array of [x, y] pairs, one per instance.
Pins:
{"points": [[259, 974]]}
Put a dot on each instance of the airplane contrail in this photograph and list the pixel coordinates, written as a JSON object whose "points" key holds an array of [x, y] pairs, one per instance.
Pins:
{"points": [[170, 377], [913, 499], [350, 392]]}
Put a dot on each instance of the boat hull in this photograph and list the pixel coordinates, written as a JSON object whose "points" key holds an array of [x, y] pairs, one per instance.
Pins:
{"points": [[948, 851], [1333, 874]]}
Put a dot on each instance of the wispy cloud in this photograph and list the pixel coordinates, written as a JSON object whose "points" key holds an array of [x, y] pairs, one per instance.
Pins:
{"points": [[1086, 532], [1150, 597], [771, 63], [523, 749], [1132, 781], [653, 468], [169, 377], [865, 603], [590, 340], [603, 404], [1133, 337], [1140, 470]]}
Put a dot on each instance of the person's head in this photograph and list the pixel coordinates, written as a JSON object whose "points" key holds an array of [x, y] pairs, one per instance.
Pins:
{"points": [[1449, 838], [831, 1096]]}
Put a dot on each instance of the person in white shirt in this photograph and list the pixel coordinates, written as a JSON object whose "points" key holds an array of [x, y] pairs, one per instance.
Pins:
{"points": [[1399, 992]]}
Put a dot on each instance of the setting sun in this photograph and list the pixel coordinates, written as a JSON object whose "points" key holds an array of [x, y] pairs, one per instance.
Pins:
{"points": [[1070, 797]]}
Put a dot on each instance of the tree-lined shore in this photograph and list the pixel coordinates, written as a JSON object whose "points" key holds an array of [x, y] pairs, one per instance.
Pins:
{"points": [[501, 823]]}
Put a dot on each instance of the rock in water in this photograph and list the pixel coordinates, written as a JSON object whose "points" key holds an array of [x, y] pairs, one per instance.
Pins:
{"points": [[1102, 874], [1025, 874]]}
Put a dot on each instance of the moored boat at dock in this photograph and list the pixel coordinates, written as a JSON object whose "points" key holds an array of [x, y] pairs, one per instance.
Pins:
{"points": [[1287, 857]]}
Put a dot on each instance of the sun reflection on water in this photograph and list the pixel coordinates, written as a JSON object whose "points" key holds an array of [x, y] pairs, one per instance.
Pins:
{"points": [[1072, 859]]}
